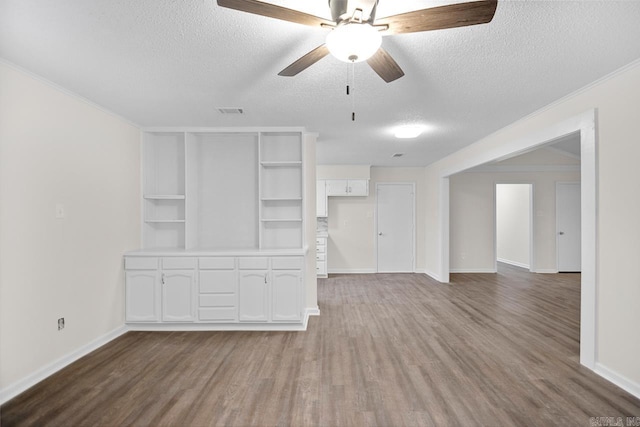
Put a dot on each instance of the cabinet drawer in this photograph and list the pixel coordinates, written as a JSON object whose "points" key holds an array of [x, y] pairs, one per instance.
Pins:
{"points": [[321, 257], [226, 314], [249, 263], [321, 249], [140, 263], [321, 241], [217, 263], [179, 263], [286, 263], [218, 281], [218, 300]]}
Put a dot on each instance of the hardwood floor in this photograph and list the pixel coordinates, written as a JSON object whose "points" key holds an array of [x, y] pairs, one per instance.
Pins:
{"points": [[388, 349]]}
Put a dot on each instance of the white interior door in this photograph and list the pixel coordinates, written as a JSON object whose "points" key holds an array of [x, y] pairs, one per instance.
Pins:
{"points": [[568, 226], [395, 227]]}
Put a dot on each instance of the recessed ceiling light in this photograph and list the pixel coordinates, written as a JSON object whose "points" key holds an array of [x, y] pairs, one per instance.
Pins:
{"points": [[410, 131]]}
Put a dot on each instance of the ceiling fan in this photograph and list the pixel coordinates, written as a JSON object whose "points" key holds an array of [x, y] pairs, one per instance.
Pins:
{"points": [[356, 34]]}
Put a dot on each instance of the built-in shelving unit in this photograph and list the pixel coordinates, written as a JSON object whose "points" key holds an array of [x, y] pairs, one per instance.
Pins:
{"points": [[280, 190], [223, 189]]}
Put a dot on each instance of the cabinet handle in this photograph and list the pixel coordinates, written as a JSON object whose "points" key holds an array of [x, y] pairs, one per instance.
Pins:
{"points": [[163, 278], [265, 278]]}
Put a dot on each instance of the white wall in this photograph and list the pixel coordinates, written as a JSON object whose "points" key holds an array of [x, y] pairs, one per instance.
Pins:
{"points": [[351, 246], [618, 208], [56, 148], [513, 224], [472, 218]]}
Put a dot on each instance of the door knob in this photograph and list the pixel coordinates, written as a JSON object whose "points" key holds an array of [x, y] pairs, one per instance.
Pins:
{"points": [[561, 233], [380, 233]]}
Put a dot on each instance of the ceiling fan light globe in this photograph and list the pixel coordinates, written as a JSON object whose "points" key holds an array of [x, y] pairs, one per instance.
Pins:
{"points": [[353, 42]]}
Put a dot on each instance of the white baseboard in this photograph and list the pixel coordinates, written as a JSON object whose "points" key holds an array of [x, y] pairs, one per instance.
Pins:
{"points": [[420, 271], [546, 271], [514, 263], [473, 270], [352, 271], [617, 379], [313, 311], [433, 276], [22, 385]]}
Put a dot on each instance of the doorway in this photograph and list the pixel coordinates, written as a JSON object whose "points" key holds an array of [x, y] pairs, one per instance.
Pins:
{"points": [[514, 224], [395, 227]]}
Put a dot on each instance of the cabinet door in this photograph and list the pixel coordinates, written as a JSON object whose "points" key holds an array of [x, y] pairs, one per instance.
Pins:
{"points": [[358, 187], [321, 198], [286, 288], [253, 296], [142, 296], [336, 187], [178, 295]]}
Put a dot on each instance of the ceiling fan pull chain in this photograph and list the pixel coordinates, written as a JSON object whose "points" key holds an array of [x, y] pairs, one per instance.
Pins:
{"points": [[353, 95]]}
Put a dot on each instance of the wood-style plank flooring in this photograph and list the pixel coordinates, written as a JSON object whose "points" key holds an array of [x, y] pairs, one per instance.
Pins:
{"points": [[388, 350]]}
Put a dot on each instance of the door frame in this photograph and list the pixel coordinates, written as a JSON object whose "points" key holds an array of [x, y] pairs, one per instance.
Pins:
{"points": [[413, 212], [584, 124], [532, 219], [557, 230]]}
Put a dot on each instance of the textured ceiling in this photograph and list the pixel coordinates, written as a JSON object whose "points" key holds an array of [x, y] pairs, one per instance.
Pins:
{"points": [[172, 62]]}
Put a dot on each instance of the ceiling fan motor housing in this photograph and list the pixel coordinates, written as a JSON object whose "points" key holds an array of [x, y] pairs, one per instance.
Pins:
{"points": [[343, 10]]}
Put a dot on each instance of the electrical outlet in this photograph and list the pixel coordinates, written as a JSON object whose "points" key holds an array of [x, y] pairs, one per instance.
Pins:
{"points": [[61, 323]]}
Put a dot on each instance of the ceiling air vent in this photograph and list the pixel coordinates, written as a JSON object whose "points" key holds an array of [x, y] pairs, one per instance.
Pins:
{"points": [[398, 155], [230, 110]]}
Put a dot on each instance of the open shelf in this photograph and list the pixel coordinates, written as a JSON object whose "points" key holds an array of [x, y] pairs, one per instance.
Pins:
{"points": [[164, 197], [280, 164]]}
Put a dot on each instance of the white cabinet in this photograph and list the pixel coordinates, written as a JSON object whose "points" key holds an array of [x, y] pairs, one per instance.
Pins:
{"points": [[321, 198], [321, 257], [286, 289], [178, 296], [214, 290], [254, 296], [347, 187], [142, 296], [218, 297]]}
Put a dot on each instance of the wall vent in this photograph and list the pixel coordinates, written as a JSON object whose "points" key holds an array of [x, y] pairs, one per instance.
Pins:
{"points": [[230, 110], [398, 155]]}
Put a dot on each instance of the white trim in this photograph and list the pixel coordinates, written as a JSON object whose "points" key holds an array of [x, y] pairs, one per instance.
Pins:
{"points": [[352, 271], [546, 271], [617, 379], [473, 270], [242, 326], [420, 271], [584, 123], [413, 235], [524, 168], [435, 276], [30, 380], [561, 152], [312, 311], [514, 263]]}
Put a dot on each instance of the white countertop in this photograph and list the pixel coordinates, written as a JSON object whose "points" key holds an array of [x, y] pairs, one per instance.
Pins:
{"points": [[198, 252]]}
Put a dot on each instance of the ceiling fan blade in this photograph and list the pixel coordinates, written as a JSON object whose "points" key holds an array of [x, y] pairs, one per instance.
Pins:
{"points": [[273, 11], [306, 61], [385, 66], [438, 18]]}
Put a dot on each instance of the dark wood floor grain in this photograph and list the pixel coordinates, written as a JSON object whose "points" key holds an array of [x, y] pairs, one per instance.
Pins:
{"points": [[388, 350]]}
